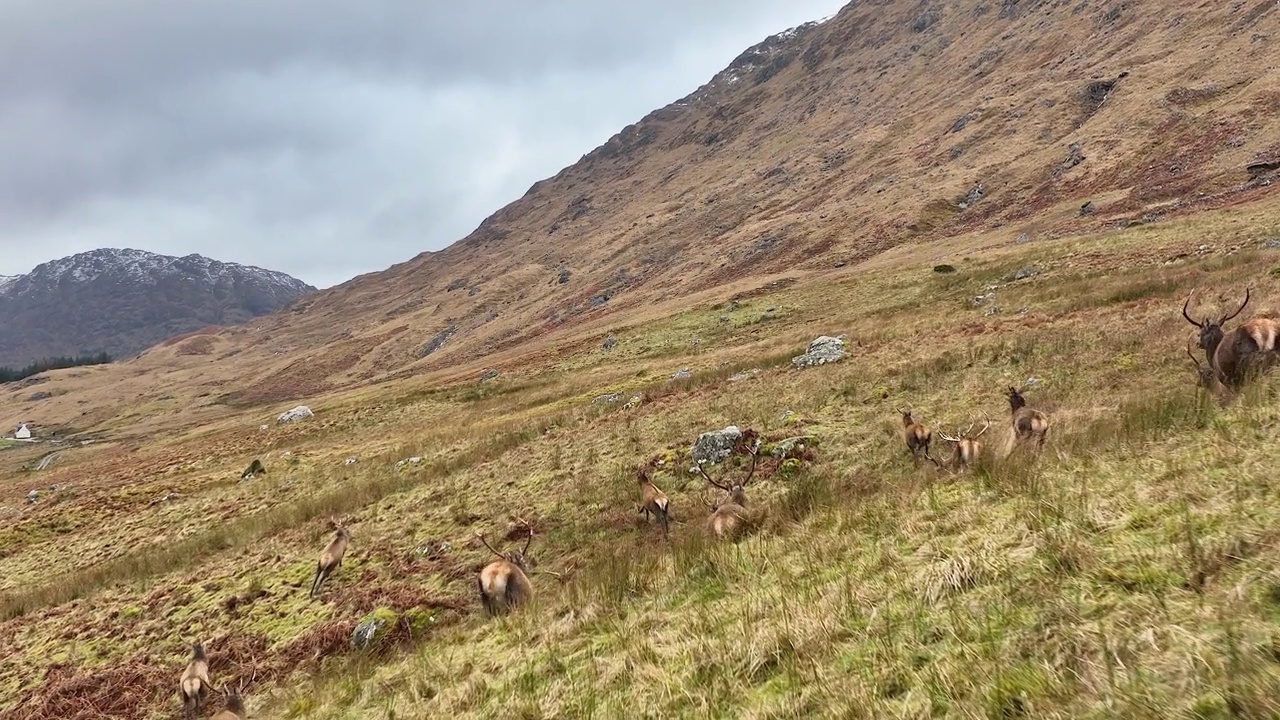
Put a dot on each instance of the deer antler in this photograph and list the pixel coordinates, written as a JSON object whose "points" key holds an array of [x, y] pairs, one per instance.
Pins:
{"points": [[986, 423], [244, 684], [707, 477], [528, 540], [1192, 355], [1238, 310], [947, 437], [1186, 305], [755, 456], [711, 505], [486, 544]]}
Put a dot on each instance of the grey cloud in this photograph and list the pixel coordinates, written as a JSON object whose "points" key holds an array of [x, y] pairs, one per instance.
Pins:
{"points": [[325, 139]]}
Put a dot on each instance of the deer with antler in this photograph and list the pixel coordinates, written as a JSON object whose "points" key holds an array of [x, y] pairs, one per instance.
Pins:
{"points": [[729, 516], [504, 583], [330, 557], [967, 447], [1204, 373], [1234, 356], [235, 702]]}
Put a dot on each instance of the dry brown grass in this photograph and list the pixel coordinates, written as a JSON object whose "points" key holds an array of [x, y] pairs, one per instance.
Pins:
{"points": [[862, 578]]}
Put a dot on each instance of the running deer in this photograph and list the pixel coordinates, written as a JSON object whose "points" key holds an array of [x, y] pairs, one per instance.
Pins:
{"points": [[1027, 422], [194, 685], [330, 557], [1234, 356], [504, 583], [918, 437]]}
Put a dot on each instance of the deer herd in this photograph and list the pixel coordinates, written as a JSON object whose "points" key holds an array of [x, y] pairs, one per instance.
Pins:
{"points": [[1231, 358]]}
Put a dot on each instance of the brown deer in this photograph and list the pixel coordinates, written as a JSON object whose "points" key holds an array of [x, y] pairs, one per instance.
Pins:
{"points": [[1027, 422], [653, 502], [254, 470], [330, 557], [1204, 373], [729, 517], [1234, 356], [918, 437], [504, 583], [234, 702], [967, 448], [194, 685]]}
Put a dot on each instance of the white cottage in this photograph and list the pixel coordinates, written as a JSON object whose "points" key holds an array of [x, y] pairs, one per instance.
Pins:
{"points": [[22, 433]]}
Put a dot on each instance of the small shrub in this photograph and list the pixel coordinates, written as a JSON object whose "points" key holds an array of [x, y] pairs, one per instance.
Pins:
{"points": [[944, 268]]}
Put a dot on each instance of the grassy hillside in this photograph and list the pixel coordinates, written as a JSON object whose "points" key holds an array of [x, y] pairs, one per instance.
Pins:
{"points": [[892, 124], [1128, 571]]}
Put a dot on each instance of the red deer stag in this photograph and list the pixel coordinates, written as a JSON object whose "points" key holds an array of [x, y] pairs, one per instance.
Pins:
{"points": [[1204, 373], [234, 702], [1236, 355], [504, 583], [967, 448], [729, 517]]}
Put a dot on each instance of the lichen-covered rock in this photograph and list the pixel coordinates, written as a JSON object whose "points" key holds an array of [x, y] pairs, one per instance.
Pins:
{"points": [[608, 398], [635, 401], [408, 461], [715, 445], [302, 412], [682, 374], [792, 446], [420, 620], [789, 468], [372, 628], [824, 349]]}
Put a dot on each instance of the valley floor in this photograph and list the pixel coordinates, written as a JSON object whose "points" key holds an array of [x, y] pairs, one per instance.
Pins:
{"points": [[1130, 570]]}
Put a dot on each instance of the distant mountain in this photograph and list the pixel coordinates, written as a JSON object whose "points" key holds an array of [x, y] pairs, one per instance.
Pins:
{"points": [[123, 301]]}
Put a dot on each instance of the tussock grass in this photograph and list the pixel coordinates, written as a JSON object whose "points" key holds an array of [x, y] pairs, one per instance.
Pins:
{"points": [[149, 561]]}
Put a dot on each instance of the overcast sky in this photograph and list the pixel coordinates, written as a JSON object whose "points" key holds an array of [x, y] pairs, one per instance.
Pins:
{"points": [[324, 138]]}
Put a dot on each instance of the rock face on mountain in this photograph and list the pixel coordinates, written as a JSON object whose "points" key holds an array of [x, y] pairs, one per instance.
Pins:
{"points": [[123, 301]]}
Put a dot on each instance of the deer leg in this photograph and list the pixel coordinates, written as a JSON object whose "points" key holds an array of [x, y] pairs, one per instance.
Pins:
{"points": [[484, 597], [322, 575]]}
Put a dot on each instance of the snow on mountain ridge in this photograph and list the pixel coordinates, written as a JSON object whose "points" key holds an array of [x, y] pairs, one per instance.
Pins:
{"points": [[755, 59], [140, 265]]}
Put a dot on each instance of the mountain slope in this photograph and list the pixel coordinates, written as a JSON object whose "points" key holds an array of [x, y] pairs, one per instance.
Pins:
{"points": [[834, 141], [123, 301], [891, 123]]}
